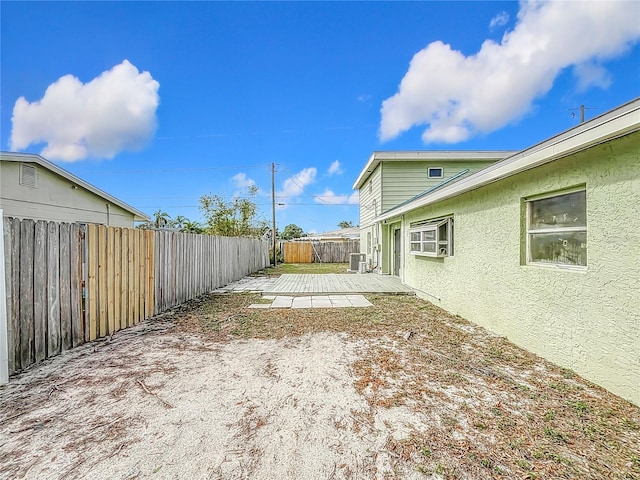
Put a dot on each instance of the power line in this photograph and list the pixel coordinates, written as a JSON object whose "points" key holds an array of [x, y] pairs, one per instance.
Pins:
{"points": [[260, 204], [166, 170]]}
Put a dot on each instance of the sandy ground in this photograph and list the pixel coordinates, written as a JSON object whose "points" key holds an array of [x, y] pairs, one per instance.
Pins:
{"points": [[149, 404], [399, 390]]}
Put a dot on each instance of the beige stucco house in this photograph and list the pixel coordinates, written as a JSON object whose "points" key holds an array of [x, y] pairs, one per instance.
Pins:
{"points": [[32, 187], [542, 247]]}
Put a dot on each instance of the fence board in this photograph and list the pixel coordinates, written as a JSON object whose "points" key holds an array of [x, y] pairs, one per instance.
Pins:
{"points": [[92, 278], [75, 270], [124, 278], [40, 290], [102, 281], [53, 289], [110, 282], [117, 274], [136, 267], [11, 292], [151, 275], [26, 291], [141, 282], [131, 282], [65, 287]]}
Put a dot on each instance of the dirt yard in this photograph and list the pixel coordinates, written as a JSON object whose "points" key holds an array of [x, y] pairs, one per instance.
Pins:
{"points": [[400, 390]]}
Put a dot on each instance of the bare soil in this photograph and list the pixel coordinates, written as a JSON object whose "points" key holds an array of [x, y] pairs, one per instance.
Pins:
{"points": [[398, 390]]}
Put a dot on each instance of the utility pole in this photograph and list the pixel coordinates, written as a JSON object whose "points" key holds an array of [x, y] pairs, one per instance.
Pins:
{"points": [[273, 210], [582, 108]]}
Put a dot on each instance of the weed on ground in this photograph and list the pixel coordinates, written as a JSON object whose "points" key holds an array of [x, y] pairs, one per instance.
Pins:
{"points": [[474, 405], [306, 268]]}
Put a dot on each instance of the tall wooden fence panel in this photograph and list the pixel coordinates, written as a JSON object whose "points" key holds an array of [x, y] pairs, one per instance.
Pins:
{"points": [[67, 284], [297, 252], [43, 289], [119, 280], [188, 265], [319, 252]]}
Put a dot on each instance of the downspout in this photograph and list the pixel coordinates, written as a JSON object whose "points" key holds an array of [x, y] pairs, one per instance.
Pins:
{"points": [[402, 260], [108, 216]]}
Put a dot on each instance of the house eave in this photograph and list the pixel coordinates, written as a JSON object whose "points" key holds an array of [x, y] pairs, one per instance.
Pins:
{"points": [[426, 155], [613, 124], [138, 216]]}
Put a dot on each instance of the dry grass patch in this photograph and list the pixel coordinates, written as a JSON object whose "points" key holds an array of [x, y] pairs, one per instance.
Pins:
{"points": [[474, 405], [306, 268]]}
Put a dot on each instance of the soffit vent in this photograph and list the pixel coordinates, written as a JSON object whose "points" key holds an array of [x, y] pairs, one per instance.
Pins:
{"points": [[28, 175]]}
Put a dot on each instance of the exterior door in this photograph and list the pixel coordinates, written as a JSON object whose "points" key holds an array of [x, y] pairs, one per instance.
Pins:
{"points": [[397, 239]]}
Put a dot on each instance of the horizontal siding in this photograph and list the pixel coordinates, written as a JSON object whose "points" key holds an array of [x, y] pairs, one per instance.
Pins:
{"points": [[404, 180], [370, 198]]}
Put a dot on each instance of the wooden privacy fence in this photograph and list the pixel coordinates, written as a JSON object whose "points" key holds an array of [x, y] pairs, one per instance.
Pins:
{"points": [[43, 272], [119, 272], [319, 252], [188, 265], [67, 284]]}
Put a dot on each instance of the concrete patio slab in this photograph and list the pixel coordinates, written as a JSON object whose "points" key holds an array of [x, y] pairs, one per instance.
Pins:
{"points": [[334, 283], [316, 301]]}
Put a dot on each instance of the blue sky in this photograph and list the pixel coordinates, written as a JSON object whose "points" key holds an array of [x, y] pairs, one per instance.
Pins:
{"points": [[160, 103]]}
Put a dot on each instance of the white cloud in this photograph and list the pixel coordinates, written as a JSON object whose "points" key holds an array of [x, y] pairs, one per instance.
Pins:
{"points": [[458, 96], [115, 111], [500, 20], [590, 74], [295, 184], [330, 198], [243, 185], [334, 168], [242, 181]]}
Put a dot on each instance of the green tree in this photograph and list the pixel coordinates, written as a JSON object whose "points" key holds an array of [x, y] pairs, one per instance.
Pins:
{"points": [[191, 227], [346, 224], [236, 218], [160, 219], [291, 231], [179, 222]]}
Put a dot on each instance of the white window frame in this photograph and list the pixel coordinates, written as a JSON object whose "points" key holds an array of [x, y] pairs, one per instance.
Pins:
{"points": [[530, 231], [435, 176], [438, 233]]}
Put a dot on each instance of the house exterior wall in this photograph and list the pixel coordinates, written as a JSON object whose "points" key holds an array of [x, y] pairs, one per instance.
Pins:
{"points": [[404, 180], [587, 320], [387, 262], [370, 201], [54, 199], [371, 197]]}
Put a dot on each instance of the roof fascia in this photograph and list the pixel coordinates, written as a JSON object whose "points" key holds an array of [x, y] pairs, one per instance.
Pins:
{"points": [[613, 124], [35, 158], [426, 155]]}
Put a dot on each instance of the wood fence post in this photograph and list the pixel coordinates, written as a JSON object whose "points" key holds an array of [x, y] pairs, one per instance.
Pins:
{"points": [[4, 331]]}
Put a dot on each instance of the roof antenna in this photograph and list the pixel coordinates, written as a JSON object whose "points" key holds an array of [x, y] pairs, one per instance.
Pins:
{"points": [[582, 108]]}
